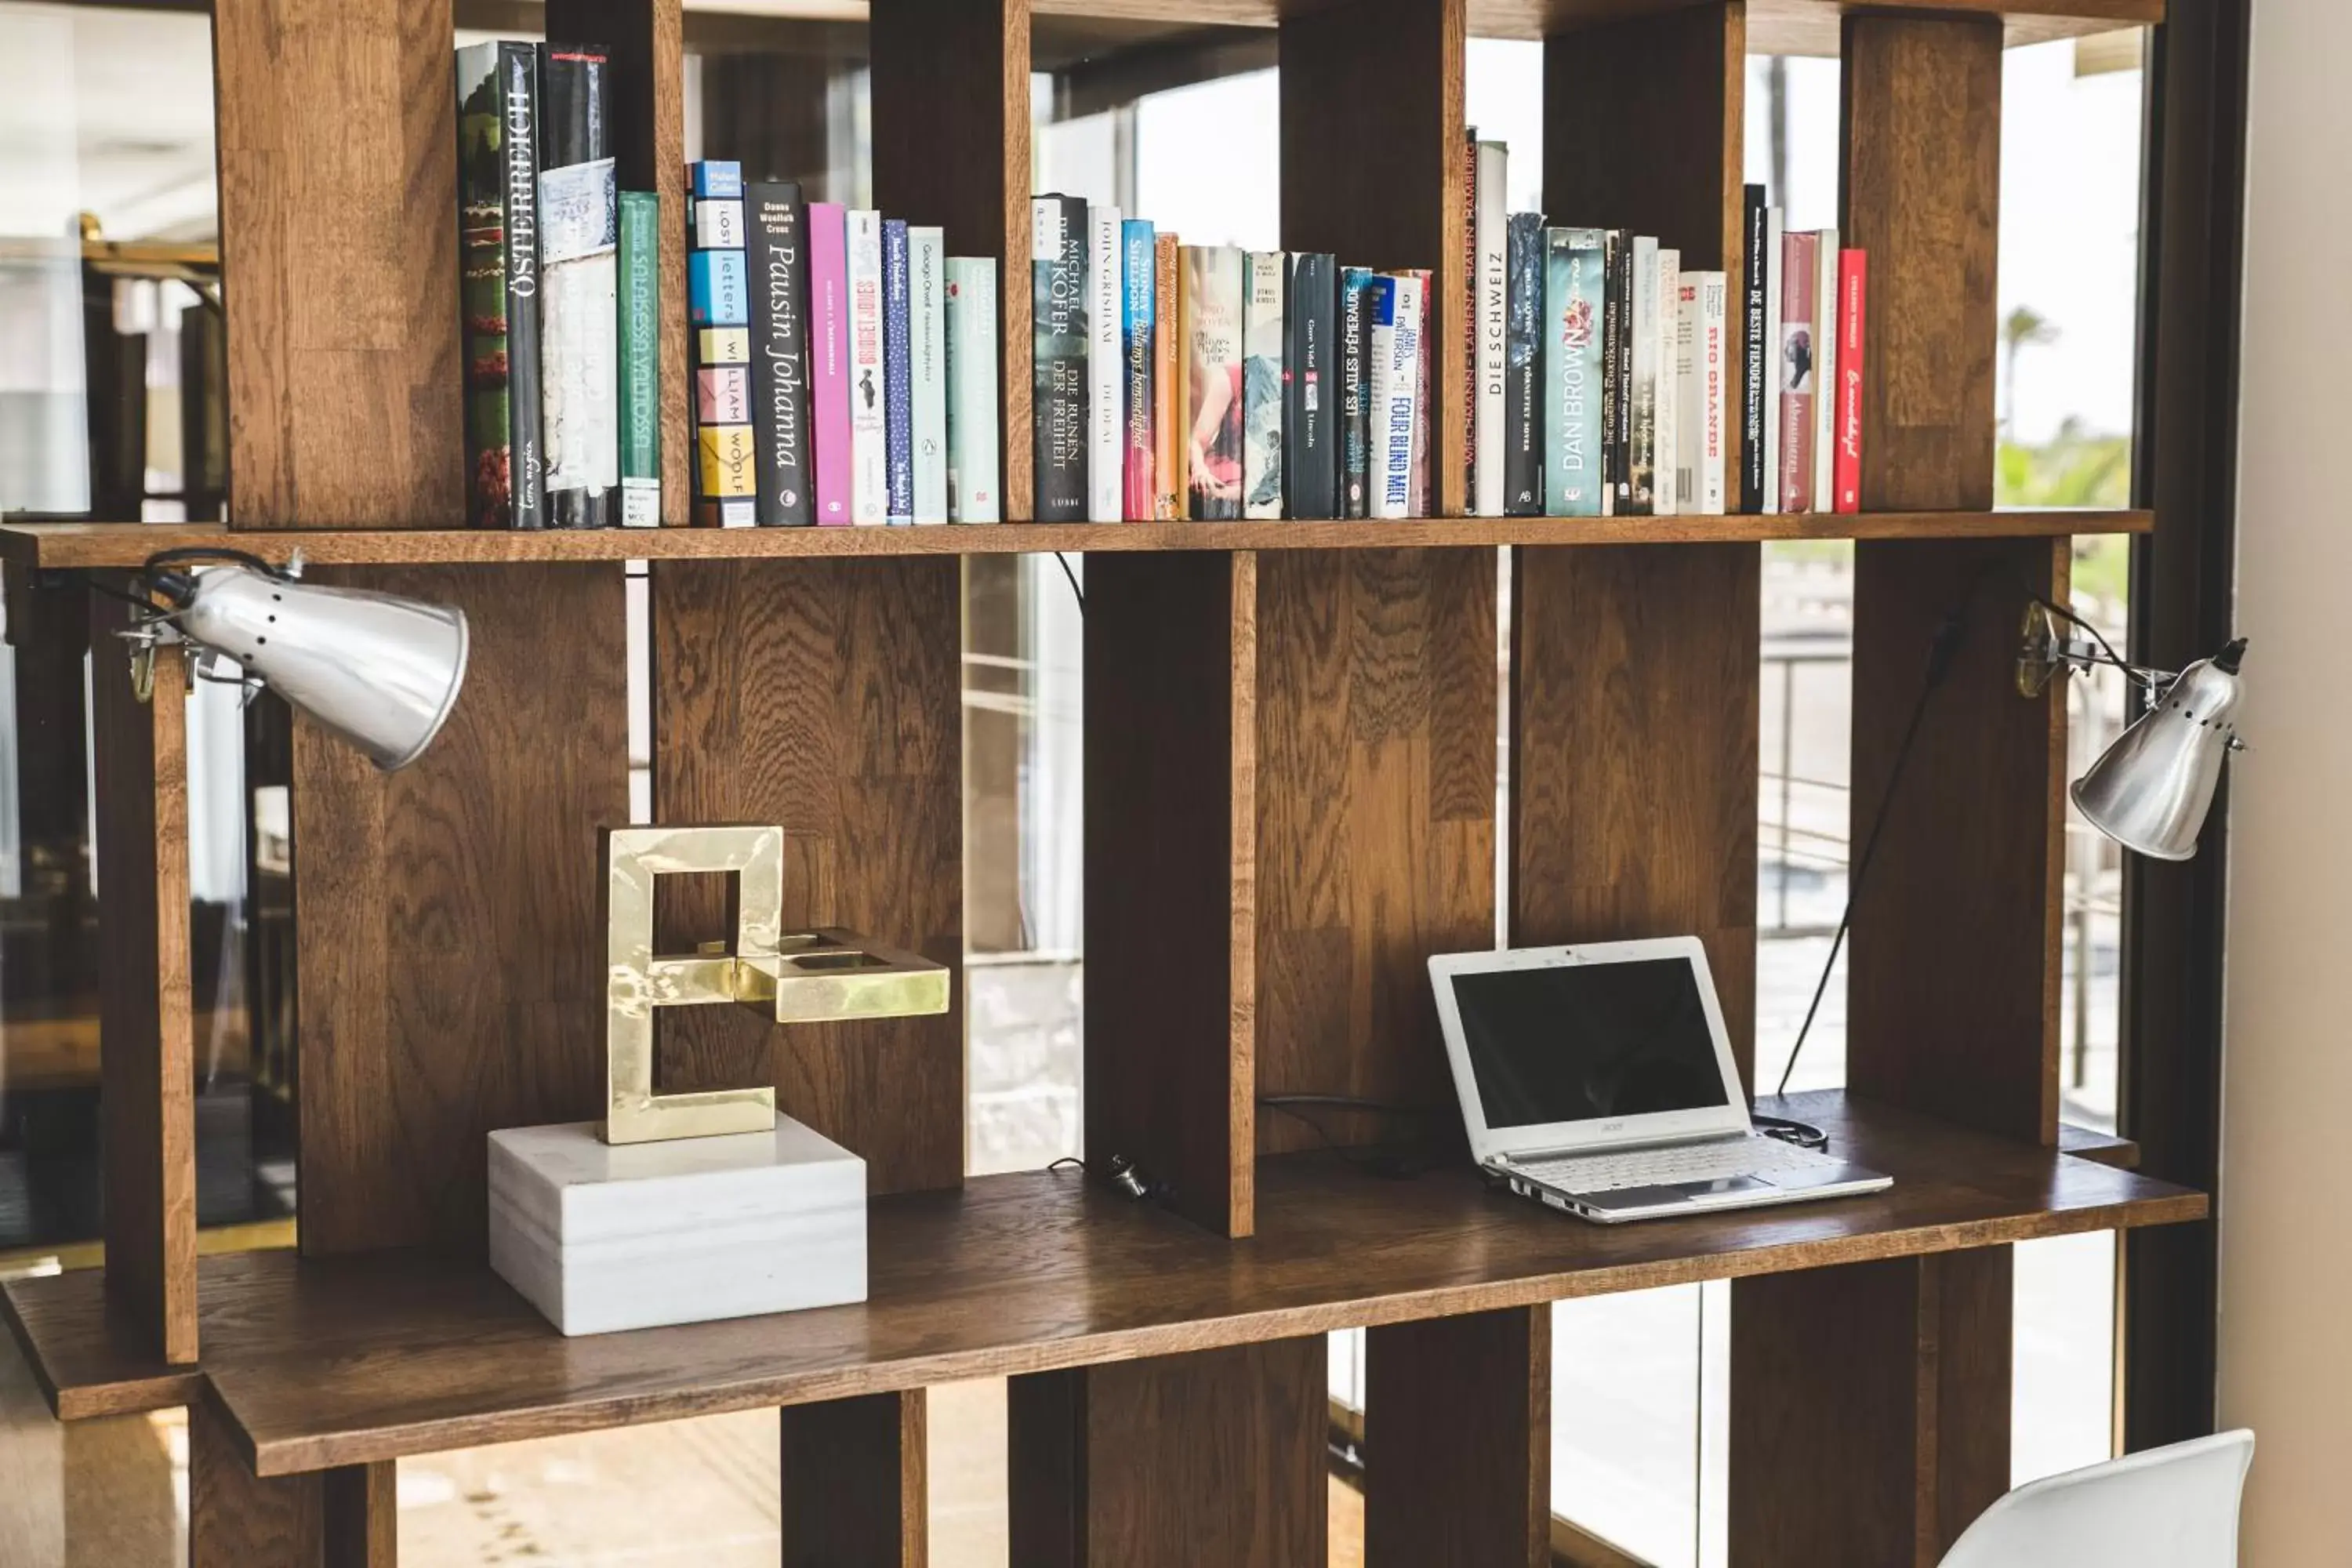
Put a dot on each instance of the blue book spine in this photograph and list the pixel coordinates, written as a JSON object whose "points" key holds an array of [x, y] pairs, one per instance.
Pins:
{"points": [[716, 291], [897, 373], [1140, 298], [720, 179], [1576, 296]]}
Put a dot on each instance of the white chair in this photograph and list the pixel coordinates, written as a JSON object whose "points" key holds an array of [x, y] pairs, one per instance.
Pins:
{"points": [[2166, 1507]]}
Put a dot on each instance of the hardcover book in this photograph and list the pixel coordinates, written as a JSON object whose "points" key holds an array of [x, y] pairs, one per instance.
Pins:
{"points": [[1705, 414], [776, 260], [1852, 312], [974, 495], [1139, 280], [498, 198], [1825, 369], [1796, 364], [1523, 367], [1167, 382], [579, 243], [1355, 392], [1263, 336], [1310, 447], [1754, 357], [897, 372], [1468, 390], [1422, 304], [1616, 376], [1395, 312], [1576, 300], [639, 328], [1772, 344], [1642, 380], [1105, 364], [869, 430], [829, 370], [718, 179], [1213, 290], [1665, 486], [1490, 439], [926, 400], [1058, 316], [717, 223]]}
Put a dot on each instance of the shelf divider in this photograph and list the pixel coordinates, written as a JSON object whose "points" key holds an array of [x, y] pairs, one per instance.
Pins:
{"points": [[853, 1474], [1457, 1438]]}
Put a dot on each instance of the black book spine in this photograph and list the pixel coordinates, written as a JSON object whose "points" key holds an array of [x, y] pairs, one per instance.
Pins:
{"points": [[1753, 356], [497, 126], [1355, 396], [1310, 466], [1059, 307], [1616, 372], [578, 343], [775, 234], [1523, 267]]}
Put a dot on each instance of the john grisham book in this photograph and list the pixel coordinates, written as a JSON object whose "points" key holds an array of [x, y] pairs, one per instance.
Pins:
{"points": [[498, 198], [579, 241]]}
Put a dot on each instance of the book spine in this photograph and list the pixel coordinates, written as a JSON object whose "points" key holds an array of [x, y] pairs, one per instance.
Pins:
{"points": [[725, 478], [1310, 443], [1214, 290], [870, 438], [1261, 399], [1575, 346], [1058, 313], [1797, 384], [498, 172], [1523, 367], [1772, 283], [897, 375], [1754, 354], [1167, 384], [1825, 369], [974, 495], [579, 241], [1686, 392], [926, 396], [1491, 436], [1424, 403], [639, 337], [1665, 476], [1617, 376], [1105, 365], [1473, 192], [1139, 281], [1642, 454], [776, 234], [1853, 314], [1397, 332], [1355, 392], [1710, 411], [828, 351]]}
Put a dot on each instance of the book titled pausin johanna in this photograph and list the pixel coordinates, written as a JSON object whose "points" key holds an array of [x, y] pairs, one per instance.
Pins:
{"points": [[776, 253]]}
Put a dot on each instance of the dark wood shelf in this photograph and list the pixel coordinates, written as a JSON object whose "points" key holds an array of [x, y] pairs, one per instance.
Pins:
{"points": [[69, 545], [321, 1364]]}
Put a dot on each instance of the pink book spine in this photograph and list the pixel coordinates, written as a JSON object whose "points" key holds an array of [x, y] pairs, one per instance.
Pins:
{"points": [[1853, 290], [1800, 320], [828, 229]]}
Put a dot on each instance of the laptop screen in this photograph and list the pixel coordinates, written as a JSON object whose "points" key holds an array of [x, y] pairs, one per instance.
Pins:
{"points": [[1583, 1042]]}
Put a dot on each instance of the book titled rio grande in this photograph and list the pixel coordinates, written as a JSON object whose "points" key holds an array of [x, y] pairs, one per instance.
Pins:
{"points": [[498, 198], [1575, 292]]}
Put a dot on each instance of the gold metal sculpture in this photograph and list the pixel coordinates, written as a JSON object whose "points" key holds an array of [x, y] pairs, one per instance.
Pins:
{"points": [[798, 977]]}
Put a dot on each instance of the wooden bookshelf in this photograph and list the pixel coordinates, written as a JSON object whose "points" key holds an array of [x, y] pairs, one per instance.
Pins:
{"points": [[1291, 751]]}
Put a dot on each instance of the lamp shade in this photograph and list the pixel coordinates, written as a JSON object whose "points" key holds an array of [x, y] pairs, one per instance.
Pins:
{"points": [[2151, 789], [378, 671]]}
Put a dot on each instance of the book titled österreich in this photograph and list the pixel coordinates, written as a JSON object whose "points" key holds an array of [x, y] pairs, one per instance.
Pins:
{"points": [[1852, 312], [498, 195]]}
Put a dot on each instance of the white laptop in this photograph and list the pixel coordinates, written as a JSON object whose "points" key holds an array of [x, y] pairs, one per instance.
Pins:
{"points": [[1599, 1080]]}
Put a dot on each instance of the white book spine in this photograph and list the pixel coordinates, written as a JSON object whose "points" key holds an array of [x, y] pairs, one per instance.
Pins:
{"points": [[1105, 367], [1668, 498], [1712, 412], [1690, 404], [1772, 224], [1265, 340], [928, 360], [1493, 283], [1825, 373], [1396, 361], [869, 465], [1642, 380], [973, 493]]}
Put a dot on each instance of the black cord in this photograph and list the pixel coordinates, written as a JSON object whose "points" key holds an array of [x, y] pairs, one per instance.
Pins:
{"points": [[1077, 593], [2063, 612], [1394, 1165], [1071, 1159]]}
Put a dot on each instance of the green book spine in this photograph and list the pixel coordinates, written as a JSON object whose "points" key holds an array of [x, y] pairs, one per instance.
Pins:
{"points": [[640, 310]]}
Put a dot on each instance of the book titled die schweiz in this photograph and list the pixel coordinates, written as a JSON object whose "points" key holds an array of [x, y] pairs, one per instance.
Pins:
{"points": [[775, 233], [1061, 436], [498, 195], [640, 351], [1522, 367], [579, 241], [1310, 465]]}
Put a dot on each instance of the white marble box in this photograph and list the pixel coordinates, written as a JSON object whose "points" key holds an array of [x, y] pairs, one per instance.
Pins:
{"points": [[601, 1237]]}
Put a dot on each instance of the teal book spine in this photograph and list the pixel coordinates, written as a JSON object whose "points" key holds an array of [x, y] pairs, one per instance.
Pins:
{"points": [[1575, 310], [640, 327]]}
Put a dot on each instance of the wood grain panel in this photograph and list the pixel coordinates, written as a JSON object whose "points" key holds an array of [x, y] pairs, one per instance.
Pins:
{"points": [[146, 998], [1870, 1408], [649, 128], [344, 1518], [1376, 755], [951, 112], [338, 146], [361, 1506], [1171, 873], [1458, 1470], [824, 697], [449, 945], [1386, 74], [854, 1476], [1171, 1461], [1921, 137]]}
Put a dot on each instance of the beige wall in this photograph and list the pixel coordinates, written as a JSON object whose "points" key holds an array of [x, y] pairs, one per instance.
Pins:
{"points": [[2287, 1230]]}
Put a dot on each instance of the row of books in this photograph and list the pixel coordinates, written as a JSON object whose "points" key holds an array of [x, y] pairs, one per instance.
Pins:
{"points": [[844, 365], [1807, 304]]}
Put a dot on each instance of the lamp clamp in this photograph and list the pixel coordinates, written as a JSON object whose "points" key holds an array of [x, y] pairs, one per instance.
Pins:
{"points": [[2044, 653]]}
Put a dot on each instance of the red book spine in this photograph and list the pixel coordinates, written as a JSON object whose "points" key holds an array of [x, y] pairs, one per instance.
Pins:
{"points": [[1469, 330], [1853, 291]]}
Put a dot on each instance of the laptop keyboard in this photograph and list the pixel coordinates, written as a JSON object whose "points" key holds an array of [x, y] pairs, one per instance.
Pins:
{"points": [[1625, 1168]]}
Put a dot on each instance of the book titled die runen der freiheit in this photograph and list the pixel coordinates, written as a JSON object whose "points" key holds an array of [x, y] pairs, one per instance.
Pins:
{"points": [[972, 465], [1264, 338], [1522, 367], [1167, 382], [927, 398], [775, 231], [1852, 312], [1139, 301], [639, 326], [718, 306], [1576, 301], [1105, 364], [498, 195], [1755, 357], [1797, 362], [1395, 311], [1310, 448], [579, 241], [1059, 360], [869, 438], [1665, 492], [1355, 393], [829, 375], [1825, 367], [1489, 440], [1214, 290], [897, 373]]}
